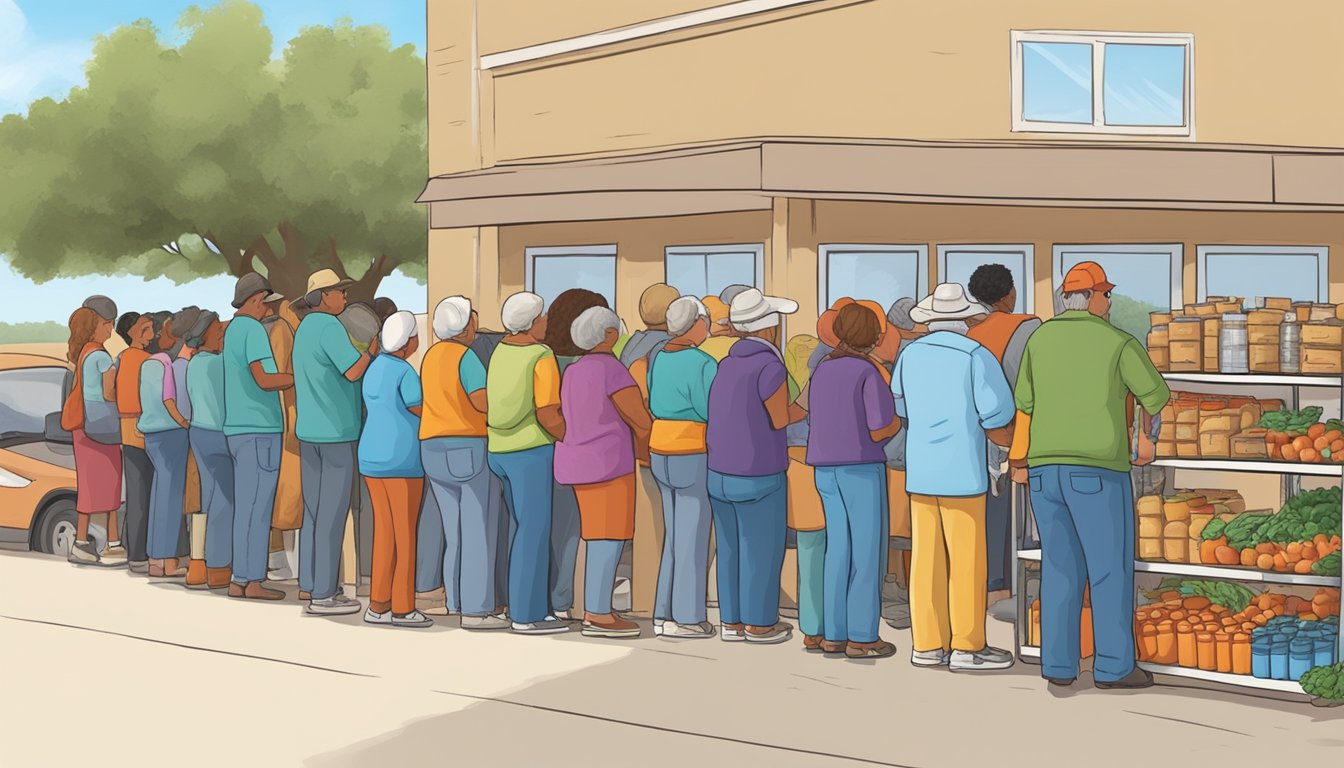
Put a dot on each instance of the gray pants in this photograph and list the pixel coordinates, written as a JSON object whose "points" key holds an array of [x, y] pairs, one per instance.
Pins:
{"points": [[564, 546], [139, 474], [998, 535], [429, 548], [327, 472], [256, 473], [468, 496], [683, 573]]}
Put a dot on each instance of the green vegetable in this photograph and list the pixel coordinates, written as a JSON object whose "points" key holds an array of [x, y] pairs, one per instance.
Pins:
{"points": [[1304, 516], [1292, 422], [1232, 596], [1214, 529], [1325, 682], [1327, 566]]}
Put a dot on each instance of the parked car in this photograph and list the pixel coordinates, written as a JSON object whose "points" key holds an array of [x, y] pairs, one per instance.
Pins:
{"points": [[37, 463]]}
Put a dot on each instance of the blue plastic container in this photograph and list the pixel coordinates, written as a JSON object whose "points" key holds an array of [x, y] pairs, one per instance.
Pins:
{"points": [[1260, 642], [1301, 657], [1279, 649], [1323, 650]]}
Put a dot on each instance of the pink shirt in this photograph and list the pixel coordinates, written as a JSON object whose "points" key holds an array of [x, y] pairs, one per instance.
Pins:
{"points": [[598, 444]]}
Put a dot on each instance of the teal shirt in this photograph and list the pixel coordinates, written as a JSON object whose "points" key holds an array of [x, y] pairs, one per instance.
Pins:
{"points": [[205, 389], [679, 385], [328, 404], [91, 377], [248, 409], [154, 416]]}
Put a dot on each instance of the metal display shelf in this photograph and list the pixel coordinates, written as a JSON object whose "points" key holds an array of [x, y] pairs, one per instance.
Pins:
{"points": [[1201, 571], [1255, 379], [1254, 467], [1224, 678]]}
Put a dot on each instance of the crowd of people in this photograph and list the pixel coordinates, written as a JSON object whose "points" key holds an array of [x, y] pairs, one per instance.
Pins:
{"points": [[884, 445]]}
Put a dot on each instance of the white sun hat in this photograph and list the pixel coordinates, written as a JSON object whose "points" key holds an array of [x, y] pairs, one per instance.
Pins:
{"points": [[752, 310], [947, 302], [397, 331]]}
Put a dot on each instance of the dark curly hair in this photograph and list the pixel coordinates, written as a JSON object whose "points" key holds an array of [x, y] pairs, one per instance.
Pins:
{"points": [[990, 283], [562, 313], [125, 324]]}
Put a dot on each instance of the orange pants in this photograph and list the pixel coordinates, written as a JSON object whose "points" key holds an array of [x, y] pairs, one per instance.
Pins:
{"points": [[396, 513]]}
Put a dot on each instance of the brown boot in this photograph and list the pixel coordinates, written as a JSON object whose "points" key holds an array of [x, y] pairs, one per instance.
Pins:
{"points": [[196, 575], [237, 590], [305, 595], [167, 568], [218, 578], [878, 650], [255, 591]]}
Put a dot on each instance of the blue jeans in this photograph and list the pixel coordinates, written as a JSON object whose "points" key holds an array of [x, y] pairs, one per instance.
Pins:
{"points": [[168, 491], [327, 472], [465, 490], [854, 498], [256, 473], [430, 547], [599, 574], [564, 546], [812, 582], [1086, 521], [683, 572], [529, 482], [215, 466], [750, 519]]}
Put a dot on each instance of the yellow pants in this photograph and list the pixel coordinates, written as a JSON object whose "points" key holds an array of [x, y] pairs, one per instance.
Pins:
{"points": [[947, 573]]}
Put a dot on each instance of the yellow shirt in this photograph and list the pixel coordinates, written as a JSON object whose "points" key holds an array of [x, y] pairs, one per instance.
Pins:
{"points": [[717, 346]]}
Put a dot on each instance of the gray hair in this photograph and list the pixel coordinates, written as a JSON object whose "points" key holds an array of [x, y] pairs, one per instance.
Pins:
{"points": [[683, 314], [520, 311], [590, 328], [1075, 300]]}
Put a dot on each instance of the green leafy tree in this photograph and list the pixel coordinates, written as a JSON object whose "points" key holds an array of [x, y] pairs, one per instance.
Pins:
{"points": [[1132, 316], [210, 157]]}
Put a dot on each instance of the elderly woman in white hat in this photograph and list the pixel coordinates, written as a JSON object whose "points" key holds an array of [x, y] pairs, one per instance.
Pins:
{"points": [[523, 421], [389, 460], [951, 392], [748, 461], [452, 449]]}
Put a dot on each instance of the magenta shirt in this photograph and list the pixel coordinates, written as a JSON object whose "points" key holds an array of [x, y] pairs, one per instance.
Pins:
{"points": [[598, 444], [849, 399]]}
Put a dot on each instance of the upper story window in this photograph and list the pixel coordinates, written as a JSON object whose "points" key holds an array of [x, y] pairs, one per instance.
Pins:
{"points": [[1103, 82]]}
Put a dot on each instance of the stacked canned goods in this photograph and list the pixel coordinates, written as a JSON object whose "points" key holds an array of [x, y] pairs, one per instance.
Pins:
{"points": [[1233, 356]]}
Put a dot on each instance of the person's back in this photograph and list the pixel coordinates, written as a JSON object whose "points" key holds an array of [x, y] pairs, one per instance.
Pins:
{"points": [[327, 403], [679, 385], [248, 408], [447, 410], [389, 445], [741, 438], [512, 411]]}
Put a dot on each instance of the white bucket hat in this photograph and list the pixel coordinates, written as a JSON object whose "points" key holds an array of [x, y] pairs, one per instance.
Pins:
{"points": [[752, 310], [947, 302]]}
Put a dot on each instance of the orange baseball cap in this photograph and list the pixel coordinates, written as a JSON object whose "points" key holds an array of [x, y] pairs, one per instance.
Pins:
{"points": [[1087, 276], [876, 309], [826, 323]]}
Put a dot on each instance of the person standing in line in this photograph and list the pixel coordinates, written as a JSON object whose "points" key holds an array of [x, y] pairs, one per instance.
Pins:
{"points": [[852, 415], [895, 591], [1004, 333], [137, 331], [287, 518], [523, 421], [952, 394], [748, 461], [453, 452], [165, 429], [389, 460], [606, 425], [327, 374], [253, 425], [653, 304], [1076, 375], [90, 415], [209, 446], [721, 335], [180, 326], [679, 382]]}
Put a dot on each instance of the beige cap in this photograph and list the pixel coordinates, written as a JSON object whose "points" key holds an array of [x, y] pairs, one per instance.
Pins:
{"points": [[326, 279], [655, 300]]}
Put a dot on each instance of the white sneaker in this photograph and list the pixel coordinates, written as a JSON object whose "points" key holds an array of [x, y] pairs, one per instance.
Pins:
{"points": [[412, 620], [658, 625], [548, 626], [562, 616], [674, 630], [730, 635], [485, 623], [83, 553], [935, 658], [983, 660], [333, 606], [382, 619], [113, 555]]}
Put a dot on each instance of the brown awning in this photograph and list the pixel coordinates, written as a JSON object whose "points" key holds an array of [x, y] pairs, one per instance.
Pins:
{"points": [[746, 175]]}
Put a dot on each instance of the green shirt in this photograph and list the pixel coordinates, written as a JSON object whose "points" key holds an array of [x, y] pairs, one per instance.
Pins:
{"points": [[205, 389], [329, 409], [1076, 374], [249, 409], [521, 379]]}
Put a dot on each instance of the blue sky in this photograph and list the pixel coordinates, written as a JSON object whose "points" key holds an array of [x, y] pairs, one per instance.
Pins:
{"points": [[43, 47]]}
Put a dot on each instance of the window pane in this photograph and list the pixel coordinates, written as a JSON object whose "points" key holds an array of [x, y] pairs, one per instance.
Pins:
{"points": [[1144, 84], [553, 275], [880, 277], [1142, 285], [725, 269], [961, 264], [1057, 82], [1282, 275], [686, 273]]}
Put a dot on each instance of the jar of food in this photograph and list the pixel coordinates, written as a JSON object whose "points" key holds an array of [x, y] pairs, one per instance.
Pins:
{"points": [[1301, 657], [1207, 653], [1241, 654], [1187, 654], [1222, 644], [1323, 650], [1278, 657], [1166, 643], [1148, 643], [1260, 644], [1290, 346]]}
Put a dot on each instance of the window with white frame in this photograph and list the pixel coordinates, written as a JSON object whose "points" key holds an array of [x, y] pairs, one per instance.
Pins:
{"points": [[554, 270], [1103, 82], [956, 264], [1299, 273], [881, 273], [1147, 279], [705, 270]]}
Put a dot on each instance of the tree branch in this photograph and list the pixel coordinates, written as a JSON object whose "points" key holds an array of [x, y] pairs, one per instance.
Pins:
{"points": [[261, 249], [326, 255]]}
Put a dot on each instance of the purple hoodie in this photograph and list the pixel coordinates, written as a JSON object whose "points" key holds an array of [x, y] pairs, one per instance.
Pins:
{"points": [[741, 439]]}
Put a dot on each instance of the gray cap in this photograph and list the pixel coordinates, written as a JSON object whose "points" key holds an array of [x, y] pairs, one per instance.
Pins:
{"points": [[196, 332], [105, 307], [728, 294], [250, 285], [899, 314], [184, 320]]}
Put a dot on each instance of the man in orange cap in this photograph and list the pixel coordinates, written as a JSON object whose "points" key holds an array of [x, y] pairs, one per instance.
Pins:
{"points": [[1077, 373]]}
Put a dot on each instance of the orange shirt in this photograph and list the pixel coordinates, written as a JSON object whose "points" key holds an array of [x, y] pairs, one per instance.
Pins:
{"points": [[448, 411], [128, 381]]}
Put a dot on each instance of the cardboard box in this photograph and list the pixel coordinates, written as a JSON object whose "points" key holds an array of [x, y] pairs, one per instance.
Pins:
{"points": [[1323, 312], [1167, 432], [1159, 318], [1322, 360], [1186, 356], [1265, 316], [1211, 363], [1205, 310], [1223, 421], [1250, 445], [1212, 325], [1187, 450], [1166, 448], [1185, 329], [1228, 307], [1150, 527], [1262, 334], [1158, 336], [1276, 303], [1160, 356], [1215, 444], [1323, 334], [1264, 358], [1187, 433], [1150, 549]]}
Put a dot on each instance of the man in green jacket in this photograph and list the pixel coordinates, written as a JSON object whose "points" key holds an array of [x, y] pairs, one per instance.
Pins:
{"points": [[1076, 374]]}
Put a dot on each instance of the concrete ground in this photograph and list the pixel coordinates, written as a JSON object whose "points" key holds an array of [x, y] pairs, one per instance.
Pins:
{"points": [[107, 669]]}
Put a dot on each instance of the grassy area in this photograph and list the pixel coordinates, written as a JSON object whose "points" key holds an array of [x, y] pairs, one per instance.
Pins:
{"points": [[27, 333]]}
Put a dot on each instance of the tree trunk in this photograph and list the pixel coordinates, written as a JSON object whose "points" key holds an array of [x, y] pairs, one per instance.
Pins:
{"points": [[289, 270]]}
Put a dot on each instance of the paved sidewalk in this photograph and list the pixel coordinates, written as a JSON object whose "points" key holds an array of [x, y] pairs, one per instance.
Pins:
{"points": [[107, 669]]}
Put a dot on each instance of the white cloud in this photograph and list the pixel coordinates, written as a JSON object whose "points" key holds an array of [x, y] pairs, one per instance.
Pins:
{"points": [[29, 71]]}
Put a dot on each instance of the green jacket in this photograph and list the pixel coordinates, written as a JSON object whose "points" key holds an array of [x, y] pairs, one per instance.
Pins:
{"points": [[1076, 374]]}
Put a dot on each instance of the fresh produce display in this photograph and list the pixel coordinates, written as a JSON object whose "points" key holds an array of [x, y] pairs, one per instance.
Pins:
{"points": [[1287, 648], [1327, 566], [1169, 529], [1291, 422], [1317, 443], [1223, 593], [1325, 682], [1305, 531]]}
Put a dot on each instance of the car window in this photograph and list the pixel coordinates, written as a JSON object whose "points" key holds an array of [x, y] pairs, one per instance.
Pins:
{"points": [[27, 395]]}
